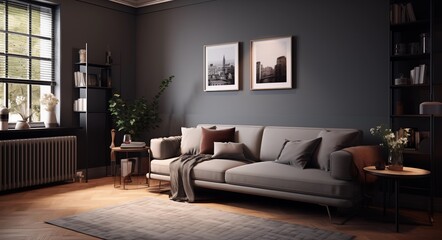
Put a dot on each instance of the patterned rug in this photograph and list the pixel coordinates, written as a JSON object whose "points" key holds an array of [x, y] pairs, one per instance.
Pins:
{"points": [[152, 218]]}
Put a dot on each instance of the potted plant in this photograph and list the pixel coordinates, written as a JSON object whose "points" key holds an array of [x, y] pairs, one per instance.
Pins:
{"points": [[20, 107], [138, 116]]}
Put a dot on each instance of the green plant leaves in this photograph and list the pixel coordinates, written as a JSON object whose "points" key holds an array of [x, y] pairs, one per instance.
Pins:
{"points": [[140, 115]]}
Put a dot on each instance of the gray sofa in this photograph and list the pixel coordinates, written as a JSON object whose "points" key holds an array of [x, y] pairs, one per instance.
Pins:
{"points": [[329, 181]]}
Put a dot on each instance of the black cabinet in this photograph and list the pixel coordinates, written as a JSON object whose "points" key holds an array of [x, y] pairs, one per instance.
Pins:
{"points": [[416, 77]]}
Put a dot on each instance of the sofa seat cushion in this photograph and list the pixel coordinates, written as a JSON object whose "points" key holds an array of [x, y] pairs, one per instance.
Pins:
{"points": [[280, 177], [214, 170], [161, 166]]}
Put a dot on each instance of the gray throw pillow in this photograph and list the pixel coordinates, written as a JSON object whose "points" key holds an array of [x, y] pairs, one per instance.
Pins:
{"points": [[333, 141], [298, 153], [191, 140], [228, 150]]}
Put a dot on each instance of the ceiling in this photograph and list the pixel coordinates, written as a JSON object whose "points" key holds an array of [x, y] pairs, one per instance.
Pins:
{"points": [[139, 3]]}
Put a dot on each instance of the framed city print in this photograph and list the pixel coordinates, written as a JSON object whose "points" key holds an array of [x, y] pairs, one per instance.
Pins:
{"points": [[271, 63], [221, 67]]}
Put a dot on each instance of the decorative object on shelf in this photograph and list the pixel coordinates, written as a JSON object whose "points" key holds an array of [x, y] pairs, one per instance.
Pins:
{"points": [[221, 67], [271, 63], [82, 54], [425, 42], [139, 116], [127, 139], [49, 101], [394, 142], [108, 57], [400, 49], [4, 118], [431, 108]]}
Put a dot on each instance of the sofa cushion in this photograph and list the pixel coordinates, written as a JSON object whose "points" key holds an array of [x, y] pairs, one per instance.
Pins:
{"points": [[274, 137], [161, 166], [280, 177], [298, 153], [228, 150], [210, 136], [191, 140], [333, 141], [214, 170], [165, 147], [249, 135]]}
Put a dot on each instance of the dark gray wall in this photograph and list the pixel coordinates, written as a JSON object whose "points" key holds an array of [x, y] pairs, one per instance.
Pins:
{"points": [[340, 61], [103, 25]]}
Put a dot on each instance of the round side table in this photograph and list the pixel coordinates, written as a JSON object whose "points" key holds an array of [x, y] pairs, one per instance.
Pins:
{"points": [[396, 176]]}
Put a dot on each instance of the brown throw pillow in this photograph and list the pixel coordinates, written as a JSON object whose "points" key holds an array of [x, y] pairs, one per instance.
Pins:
{"points": [[209, 137]]}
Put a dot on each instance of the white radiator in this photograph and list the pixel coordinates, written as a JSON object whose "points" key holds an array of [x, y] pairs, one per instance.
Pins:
{"points": [[34, 161]]}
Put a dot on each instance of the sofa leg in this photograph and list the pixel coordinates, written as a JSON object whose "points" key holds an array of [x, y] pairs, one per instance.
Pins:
{"points": [[346, 219]]}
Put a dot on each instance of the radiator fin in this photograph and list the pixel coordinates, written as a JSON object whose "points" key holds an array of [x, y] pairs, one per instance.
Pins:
{"points": [[35, 161]]}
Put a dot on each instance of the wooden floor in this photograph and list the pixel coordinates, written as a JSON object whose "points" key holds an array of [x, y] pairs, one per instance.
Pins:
{"points": [[22, 214]]}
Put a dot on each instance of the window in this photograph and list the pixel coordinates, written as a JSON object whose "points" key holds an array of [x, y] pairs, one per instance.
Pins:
{"points": [[26, 56]]}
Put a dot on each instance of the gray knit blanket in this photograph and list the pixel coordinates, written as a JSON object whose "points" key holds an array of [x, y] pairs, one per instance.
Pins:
{"points": [[181, 187]]}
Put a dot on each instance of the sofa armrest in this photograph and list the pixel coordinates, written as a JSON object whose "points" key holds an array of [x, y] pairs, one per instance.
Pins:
{"points": [[349, 162], [165, 147], [342, 166]]}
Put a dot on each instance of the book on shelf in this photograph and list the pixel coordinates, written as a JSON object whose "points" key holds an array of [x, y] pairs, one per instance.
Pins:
{"points": [[419, 74], [80, 105], [402, 13], [133, 145], [80, 79]]}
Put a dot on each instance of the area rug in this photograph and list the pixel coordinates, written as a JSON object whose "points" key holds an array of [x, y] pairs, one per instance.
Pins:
{"points": [[152, 218]]}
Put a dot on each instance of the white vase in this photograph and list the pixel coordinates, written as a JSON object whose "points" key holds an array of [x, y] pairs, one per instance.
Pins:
{"points": [[22, 124], [50, 119]]}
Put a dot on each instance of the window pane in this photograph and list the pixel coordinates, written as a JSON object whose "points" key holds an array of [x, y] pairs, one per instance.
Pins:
{"points": [[2, 42], [41, 48], [2, 67], [41, 70], [37, 92], [2, 15], [18, 101], [18, 44], [18, 18], [18, 68], [2, 96], [41, 21]]}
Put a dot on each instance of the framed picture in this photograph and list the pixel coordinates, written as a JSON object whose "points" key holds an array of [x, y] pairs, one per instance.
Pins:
{"points": [[271, 63], [221, 67]]}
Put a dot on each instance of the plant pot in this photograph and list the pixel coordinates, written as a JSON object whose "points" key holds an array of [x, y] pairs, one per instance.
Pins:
{"points": [[22, 124]]}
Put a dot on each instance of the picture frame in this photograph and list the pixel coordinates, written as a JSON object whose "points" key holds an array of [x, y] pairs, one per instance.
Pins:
{"points": [[271, 63], [221, 67]]}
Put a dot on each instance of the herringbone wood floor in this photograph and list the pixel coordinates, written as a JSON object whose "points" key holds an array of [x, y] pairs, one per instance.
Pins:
{"points": [[22, 214]]}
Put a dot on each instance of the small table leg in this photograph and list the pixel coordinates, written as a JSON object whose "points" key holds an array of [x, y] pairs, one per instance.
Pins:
{"points": [[396, 189]]}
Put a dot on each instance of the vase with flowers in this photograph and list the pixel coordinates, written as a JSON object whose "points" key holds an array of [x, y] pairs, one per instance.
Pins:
{"points": [[394, 143], [25, 113], [49, 101]]}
